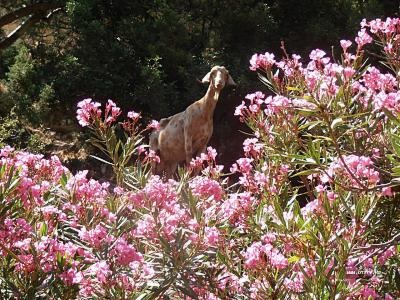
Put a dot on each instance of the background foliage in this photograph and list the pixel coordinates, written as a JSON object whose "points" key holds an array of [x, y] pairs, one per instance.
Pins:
{"points": [[150, 54]]}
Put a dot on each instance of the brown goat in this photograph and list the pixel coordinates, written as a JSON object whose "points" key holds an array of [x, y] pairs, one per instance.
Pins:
{"points": [[186, 134]]}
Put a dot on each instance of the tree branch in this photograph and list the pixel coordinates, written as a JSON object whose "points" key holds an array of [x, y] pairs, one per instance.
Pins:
{"points": [[36, 12], [393, 241], [19, 31], [33, 9]]}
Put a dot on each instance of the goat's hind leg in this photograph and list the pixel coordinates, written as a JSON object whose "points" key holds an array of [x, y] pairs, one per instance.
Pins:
{"points": [[169, 170]]}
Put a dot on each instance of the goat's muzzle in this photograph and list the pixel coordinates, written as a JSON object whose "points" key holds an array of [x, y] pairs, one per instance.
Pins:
{"points": [[219, 85]]}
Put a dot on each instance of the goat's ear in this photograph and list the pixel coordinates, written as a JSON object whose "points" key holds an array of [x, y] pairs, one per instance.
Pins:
{"points": [[230, 81], [206, 79]]}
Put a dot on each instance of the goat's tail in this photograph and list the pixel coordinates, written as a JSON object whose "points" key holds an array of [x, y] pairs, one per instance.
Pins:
{"points": [[153, 138], [164, 122]]}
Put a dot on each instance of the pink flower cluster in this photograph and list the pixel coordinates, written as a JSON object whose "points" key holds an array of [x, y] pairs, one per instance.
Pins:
{"points": [[205, 187], [204, 238], [51, 199], [35, 174], [87, 110], [111, 112], [260, 255], [358, 170], [388, 26], [262, 61]]}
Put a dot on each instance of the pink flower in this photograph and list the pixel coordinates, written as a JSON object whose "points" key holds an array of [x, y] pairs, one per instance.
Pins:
{"points": [[211, 153], [252, 147], [71, 276], [118, 190], [240, 110], [320, 188], [368, 293], [269, 238], [331, 195], [345, 44], [236, 207], [206, 187], [160, 193], [152, 156], [25, 263], [258, 255], [278, 260], [317, 54], [154, 125], [211, 236], [254, 256], [111, 112], [363, 38], [87, 111], [388, 297], [256, 98], [361, 168], [133, 115], [96, 237], [126, 253], [6, 151], [348, 72], [388, 101], [276, 104], [380, 27], [145, 227], [243, 165], [311, 207], [387, 191], [296, 283], [102, 271], [262, 61]]}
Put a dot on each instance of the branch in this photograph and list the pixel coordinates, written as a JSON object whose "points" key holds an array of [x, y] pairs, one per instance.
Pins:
{"points": [[36, 12], [19, 31], [36, 8], [387, 244]]}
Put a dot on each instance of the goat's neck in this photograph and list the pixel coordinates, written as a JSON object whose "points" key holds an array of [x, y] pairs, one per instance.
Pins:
{"points": [[210, 100]]}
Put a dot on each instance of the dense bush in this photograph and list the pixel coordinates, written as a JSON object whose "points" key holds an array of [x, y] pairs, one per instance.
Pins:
{"points": [[329, 134], [150, 52]]}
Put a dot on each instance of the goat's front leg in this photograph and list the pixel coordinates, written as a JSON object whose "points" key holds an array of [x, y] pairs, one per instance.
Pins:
{"points": [[188, 142], [170, 170]]}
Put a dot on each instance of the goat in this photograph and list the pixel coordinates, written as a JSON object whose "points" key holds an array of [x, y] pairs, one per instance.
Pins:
{"points": [[186, 134]]}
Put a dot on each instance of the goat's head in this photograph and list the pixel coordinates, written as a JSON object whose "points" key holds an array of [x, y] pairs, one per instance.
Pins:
{"points": [[218, 77]]}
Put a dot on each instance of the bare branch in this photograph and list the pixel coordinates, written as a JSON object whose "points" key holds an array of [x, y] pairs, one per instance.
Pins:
{"points": [[35, 13], [393, 241], [19, 31], [33, 9]]}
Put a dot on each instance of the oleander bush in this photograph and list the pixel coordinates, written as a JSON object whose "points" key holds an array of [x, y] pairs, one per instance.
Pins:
{"points": [[314, 214]]}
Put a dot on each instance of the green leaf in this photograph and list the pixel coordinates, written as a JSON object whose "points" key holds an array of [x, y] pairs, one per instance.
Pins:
{"points": [[395, 141], [102, 160], [306, 172], [336, 122], [43, 229], [310, 125], [294, 259], [63, 180]]}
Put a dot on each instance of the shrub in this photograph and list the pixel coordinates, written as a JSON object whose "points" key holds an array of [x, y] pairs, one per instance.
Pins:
{"points": [[328, 134]]}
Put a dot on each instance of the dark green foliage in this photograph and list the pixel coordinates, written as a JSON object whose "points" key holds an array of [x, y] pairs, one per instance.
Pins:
{"points": [[148, 55]]}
